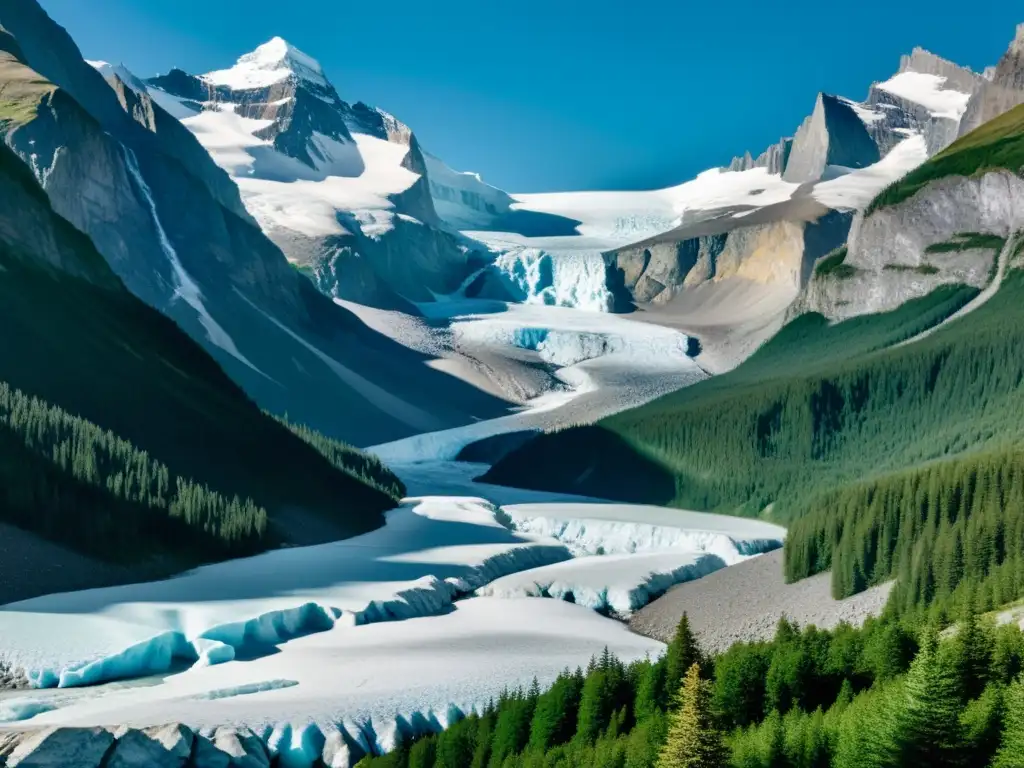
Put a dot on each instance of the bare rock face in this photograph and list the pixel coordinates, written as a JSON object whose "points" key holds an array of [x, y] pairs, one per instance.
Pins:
{"points": [[230, 747], [888, 262], [1002, 90], [778, 251], [833, 135], [60, 748]]}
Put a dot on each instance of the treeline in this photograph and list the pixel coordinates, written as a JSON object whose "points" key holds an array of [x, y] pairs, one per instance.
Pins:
{"points": [[70, 481], [877, 697]]}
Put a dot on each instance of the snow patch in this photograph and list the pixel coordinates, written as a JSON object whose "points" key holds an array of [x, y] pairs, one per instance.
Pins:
{"points": [[856, 189], [270, 63], [611, 584], [928, 91]]}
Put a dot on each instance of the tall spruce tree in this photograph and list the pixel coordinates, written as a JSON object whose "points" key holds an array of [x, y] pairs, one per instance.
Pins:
{"points": [[928, 730], [682, 653], [693, 738]]}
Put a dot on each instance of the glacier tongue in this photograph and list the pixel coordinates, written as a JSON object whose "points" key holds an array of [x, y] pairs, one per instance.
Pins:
{"points": [[556, 278]]}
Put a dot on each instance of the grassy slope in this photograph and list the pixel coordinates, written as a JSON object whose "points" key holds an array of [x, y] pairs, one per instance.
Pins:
{"points": [[91, 348], [998, 144]]}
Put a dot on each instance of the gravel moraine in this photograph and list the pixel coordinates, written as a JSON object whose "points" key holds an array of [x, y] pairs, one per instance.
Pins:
{"points": [[745, 601]]}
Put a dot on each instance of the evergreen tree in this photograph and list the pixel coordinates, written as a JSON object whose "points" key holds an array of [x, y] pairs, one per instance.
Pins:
{"points": [[928, 728], [693, 740], [973, 649], [1011, 748], [682, 653]]}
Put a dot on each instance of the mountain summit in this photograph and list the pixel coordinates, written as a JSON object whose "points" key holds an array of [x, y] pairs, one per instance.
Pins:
{"points": [[269, 64]]}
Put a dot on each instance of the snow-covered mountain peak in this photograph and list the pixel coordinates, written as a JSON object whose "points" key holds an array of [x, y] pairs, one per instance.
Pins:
{"points": [[269, 64]]}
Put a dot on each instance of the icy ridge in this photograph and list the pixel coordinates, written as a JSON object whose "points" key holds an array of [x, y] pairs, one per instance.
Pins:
{"points": [[590, 581], [429, 595], [609, 537]]}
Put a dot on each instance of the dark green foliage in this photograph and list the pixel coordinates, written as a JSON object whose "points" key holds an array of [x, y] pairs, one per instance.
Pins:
{"points": [[739, 691], [921, 269], [834, 264], [67, 479], [681, 654], [981, 723], [810, 410], [121, 387], [966, 241], [927, 718], [554, 718], [365, 467], [996, 145], [1011, 751]]}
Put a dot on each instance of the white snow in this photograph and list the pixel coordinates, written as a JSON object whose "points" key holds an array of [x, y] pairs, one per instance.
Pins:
{"points": [[856, 189], [431, 550], [187, 288], [928, 91], [270, 63], [867, 116], [310, 206]]}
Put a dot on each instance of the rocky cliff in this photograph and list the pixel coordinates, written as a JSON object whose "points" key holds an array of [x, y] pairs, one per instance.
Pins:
{"points": [[1001, 91], [372, 204]]}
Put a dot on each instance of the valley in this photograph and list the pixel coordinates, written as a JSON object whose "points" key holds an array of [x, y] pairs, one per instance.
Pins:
{"points": [[315, 451]]}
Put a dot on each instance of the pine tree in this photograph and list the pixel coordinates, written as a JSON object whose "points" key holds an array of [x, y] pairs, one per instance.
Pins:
{"points": [[693, 739], [928, 730], [974, 647], [682, 653], [1011, 749]]}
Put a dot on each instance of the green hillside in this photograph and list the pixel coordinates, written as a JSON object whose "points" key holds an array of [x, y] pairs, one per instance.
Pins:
{"points": [[121, 437], [872, 452]]}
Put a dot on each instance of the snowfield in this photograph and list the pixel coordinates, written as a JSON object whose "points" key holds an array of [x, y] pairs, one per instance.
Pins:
{"points": [[928, 91]]}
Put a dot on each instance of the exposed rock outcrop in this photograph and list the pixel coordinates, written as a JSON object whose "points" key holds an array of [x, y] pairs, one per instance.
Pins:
{"points": [[889, 262], [834, 134], [1001, 90]]}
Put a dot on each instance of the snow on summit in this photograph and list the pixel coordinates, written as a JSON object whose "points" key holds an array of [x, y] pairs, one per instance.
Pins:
{"points": [[270, 63], [929, 92]]}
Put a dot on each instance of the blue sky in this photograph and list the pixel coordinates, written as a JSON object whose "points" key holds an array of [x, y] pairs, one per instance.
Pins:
{"points": [[542, 95]]}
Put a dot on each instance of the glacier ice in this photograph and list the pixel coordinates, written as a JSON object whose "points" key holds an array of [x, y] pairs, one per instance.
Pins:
{"points": [[611, 584], [556, 278], [431, 552]]}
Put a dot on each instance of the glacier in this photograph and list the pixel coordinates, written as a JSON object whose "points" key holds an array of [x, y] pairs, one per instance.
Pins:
{"points": [[615, 585], [556, 278]]}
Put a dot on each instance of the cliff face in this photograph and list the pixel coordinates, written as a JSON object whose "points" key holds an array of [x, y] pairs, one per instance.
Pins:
{"points": [[1001, 91], [905, 251]]}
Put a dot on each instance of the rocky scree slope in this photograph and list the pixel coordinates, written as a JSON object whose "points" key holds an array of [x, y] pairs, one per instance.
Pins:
{"points": [[171, 223]]}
